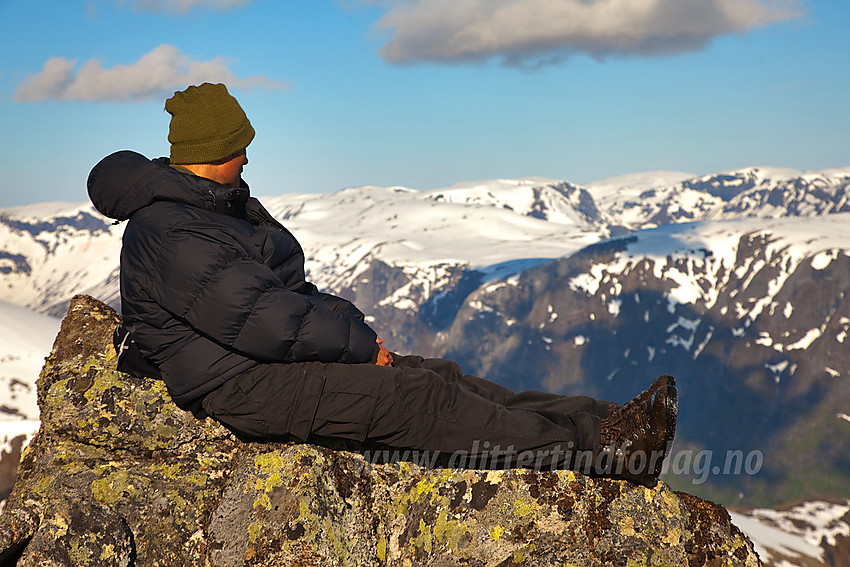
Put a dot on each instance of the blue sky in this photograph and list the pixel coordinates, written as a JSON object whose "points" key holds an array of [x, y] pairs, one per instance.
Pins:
{"points": [[426, 93]]}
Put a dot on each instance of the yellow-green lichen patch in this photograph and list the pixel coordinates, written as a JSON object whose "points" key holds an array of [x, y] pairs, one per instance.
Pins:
{"points": [[523, 508], [671, 503], [672, 537], [423, 538], [448, 533], [55, 397], [107, 552], [566, 477], [263, 501], [523, 554], [169, 471], [326, 531], [178, 503], [381, 550], [164, 431], [647, 514], [103, 380], [272, 462], [401, 505], [254, 531], [73, 468], [315, 527], [424, 487], [731, 545], [268, 484], [198, 480], [496, 532], [79, 552], [662, 560], [42, 485], [109, 489], [208, 461], [61, 525], [419, 506], [271, 468]]}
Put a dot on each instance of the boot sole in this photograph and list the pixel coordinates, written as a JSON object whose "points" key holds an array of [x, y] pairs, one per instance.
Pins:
{"points": [[671, 410]]}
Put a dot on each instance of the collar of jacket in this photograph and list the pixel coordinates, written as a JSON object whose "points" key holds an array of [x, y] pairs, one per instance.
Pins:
{"points": [[227, 200], [219, 198], [125, 182]]}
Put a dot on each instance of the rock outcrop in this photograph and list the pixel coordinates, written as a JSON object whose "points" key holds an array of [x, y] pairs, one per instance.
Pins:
{"points": [[120, 476]]}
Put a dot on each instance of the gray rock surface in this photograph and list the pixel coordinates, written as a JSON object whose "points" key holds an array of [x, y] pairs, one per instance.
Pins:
{"points": [[118, 475]]}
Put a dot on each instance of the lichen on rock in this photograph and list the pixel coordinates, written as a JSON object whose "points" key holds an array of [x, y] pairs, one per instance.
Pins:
{"points": [[118, 475]]}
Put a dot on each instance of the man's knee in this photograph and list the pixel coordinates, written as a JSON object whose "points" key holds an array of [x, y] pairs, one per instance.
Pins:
{"points": [[448, 369]]}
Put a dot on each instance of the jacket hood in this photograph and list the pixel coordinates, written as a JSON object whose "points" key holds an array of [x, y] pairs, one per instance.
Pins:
{"points": [[126, 181]]}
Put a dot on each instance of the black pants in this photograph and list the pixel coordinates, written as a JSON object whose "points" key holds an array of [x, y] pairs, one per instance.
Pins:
{"points": [[422, 404]]}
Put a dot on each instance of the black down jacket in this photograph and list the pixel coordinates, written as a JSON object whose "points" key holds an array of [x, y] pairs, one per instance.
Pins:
{"points": [[211, 283]]}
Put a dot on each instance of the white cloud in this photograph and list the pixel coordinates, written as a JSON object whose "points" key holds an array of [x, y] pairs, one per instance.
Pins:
{"points": [[183, 6], [157, 73], [528, 32]]}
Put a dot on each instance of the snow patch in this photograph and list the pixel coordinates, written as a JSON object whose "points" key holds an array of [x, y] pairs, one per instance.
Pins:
{"points": [[805, 342], [11, 430], [26, 338], [796, 533], [789, 309], [822, 260], [777, 368]]}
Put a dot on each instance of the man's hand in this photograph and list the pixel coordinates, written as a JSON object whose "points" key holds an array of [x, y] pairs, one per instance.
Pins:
{"points": [[384, 356]]}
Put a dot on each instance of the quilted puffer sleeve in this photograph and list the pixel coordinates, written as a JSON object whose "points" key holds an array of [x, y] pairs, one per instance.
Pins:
{"points": [[338, 304], [227, 296]]}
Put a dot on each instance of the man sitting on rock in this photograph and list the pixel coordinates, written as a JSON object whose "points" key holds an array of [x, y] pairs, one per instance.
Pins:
{"points": [[215, 302]]}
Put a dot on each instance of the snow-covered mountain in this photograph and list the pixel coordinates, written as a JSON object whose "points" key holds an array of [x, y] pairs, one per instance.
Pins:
{"points": [[733, 281], [51, 251], [750, 316], [481, 226], [656, 199]]}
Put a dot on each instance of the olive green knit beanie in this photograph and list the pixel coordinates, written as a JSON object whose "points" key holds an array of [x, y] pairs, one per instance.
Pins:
{"points": [[207, 124]]}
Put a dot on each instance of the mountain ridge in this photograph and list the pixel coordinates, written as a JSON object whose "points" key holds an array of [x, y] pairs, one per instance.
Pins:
{"points": [[384, 220], [465, 272]]}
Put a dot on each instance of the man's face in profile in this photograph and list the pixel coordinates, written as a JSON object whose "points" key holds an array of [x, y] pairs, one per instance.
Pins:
{"points": [[231, 169]]}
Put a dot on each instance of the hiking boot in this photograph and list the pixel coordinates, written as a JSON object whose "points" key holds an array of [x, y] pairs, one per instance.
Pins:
{"points": [[635, 437], [611, 424]]}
